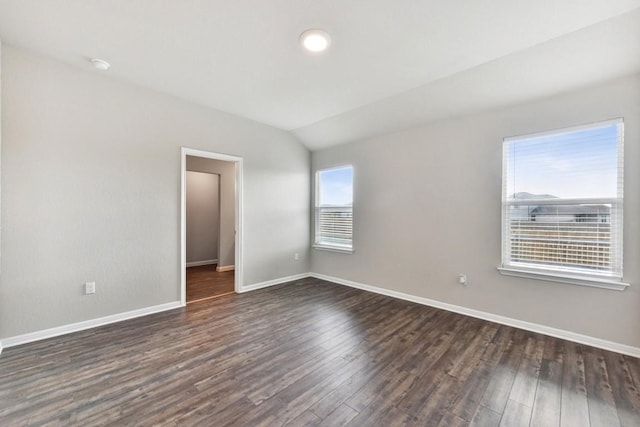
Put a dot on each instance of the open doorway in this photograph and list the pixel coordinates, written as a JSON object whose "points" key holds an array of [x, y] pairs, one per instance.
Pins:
{"points": [[210, 225], [210, 271]]}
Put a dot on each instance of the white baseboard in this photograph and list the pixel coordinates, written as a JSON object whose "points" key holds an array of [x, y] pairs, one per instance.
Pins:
{"points": [[274, 282], [87, 324], [222, 268], [93, 323], [528, 326], [204, 262], [533, 327]]}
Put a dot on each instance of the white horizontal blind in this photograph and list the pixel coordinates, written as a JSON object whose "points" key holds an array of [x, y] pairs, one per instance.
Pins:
{"points": [[563, 200], [335, 226], [334, 208]]}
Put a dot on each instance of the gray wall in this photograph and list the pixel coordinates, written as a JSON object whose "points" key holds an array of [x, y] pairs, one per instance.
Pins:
{"points": [[428, 203], [227, 173], [203, 216], [0, 168], [91, 191]]}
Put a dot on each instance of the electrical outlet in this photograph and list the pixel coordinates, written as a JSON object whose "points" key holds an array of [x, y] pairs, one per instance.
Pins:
{"points": [[90, 288], [462, 279], [296, 256]]}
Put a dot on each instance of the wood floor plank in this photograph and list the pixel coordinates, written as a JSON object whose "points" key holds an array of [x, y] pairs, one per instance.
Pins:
{"points": [[278, 379], [602, 406], [343, 391], [526, 380], [625, 394], [475, 349], [546, 408], [451, 420], [341, 416], [516, 414], [468, 400], [381, 413], [466, 403], [485, 417], [497, 392], [205, 282], [301, 395], [384, 355], [436, 407], [306, 419], [313, 353], [437, 363], [391, 383], [574, 409], [547, 403], [211, 414], [404, 345], [633, 364]]}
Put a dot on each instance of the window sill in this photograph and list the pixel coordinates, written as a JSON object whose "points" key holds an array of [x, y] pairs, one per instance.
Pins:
{"points": [[574, 279], [329, 248]]}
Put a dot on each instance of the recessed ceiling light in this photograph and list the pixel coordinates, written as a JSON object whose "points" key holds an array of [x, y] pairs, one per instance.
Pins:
{"points": [[100, 64], [315, 40]]}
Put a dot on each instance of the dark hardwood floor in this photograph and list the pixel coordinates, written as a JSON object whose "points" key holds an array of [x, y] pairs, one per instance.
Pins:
{"points": [[205, 282], [314, 353]]}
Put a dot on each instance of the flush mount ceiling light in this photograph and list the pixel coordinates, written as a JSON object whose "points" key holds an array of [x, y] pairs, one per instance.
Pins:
{"points": [[100, 64], [315, 40]]}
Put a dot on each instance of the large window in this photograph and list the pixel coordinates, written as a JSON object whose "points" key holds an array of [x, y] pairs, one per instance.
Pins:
{"points": [[334, 209], [562, 205]]}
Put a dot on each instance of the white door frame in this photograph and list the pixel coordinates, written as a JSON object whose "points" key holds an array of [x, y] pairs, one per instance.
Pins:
{"points": [[183, 216]]}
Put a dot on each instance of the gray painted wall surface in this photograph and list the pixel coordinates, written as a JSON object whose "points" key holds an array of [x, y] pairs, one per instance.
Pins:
{"points": [[91, 191], [0, 168], [428, 207], [227, 173], [203, 216]]}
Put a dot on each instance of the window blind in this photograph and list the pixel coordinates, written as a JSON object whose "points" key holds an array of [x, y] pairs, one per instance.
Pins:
{"points": [[335, 226]]}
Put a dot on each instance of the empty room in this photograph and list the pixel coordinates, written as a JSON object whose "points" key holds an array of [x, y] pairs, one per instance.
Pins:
{"points": [[320, 213]]}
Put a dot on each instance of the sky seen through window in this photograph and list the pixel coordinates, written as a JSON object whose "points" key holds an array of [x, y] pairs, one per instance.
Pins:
{"points": [[573, 164], [336, 187]]}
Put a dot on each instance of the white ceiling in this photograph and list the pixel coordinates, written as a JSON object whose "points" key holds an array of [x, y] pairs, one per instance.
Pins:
{"points": [[392, 64]]}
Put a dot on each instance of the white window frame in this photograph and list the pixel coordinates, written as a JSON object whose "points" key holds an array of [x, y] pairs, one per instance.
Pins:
{"points": [[323, 245], [607, 280]]}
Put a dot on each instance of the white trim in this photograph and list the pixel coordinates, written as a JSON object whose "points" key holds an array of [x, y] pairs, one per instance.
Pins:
{"points": [[528, 326], [223, 268], [565, 201], [533, 327], [325, 247], [591, 281], [200, 263], [239, 260], [210, 155], [266, 284], [183, 227], [568, 129], [316, 208], [564, 273], [184, 152], [87, 324]]}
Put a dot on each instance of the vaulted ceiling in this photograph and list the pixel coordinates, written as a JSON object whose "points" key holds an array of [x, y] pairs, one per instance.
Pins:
{"points": [[392, 64]]}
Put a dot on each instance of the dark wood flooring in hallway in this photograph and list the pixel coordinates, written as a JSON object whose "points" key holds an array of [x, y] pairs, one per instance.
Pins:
{"points": [[314, 353], [205, 282]]}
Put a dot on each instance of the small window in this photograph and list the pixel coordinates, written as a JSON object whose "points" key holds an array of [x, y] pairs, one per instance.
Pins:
{"points": [[562, 205], [334, 209]]}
